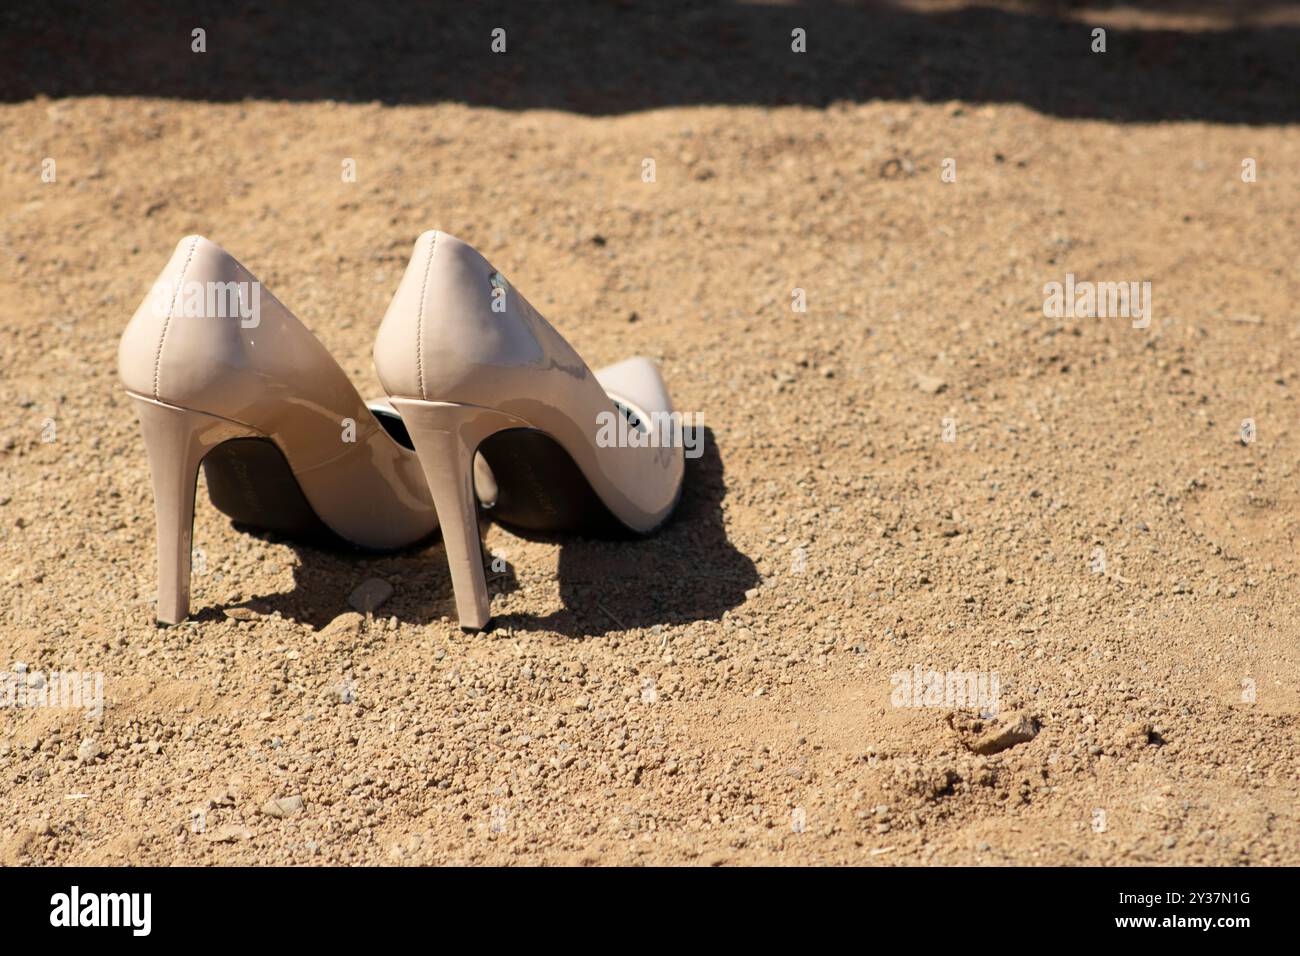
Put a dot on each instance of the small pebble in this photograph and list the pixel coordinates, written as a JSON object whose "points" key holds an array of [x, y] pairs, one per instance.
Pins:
{"points": [[369, 595]]}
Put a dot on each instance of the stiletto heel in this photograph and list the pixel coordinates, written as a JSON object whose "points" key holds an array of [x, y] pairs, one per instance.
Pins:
{"points": [[446, 438], [222, 374], [474, 369], [176, 439]]}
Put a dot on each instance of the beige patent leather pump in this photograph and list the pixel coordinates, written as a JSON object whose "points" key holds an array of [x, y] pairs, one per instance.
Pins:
{"points": [[222, 374], [472, 367]]}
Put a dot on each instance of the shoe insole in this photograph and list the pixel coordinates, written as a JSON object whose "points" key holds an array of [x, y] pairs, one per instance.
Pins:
{"points": [[541, 488], [250, 480]]}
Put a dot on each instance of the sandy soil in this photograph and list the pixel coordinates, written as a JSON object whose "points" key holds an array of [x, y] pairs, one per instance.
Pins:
{"points": [[921, 470]]}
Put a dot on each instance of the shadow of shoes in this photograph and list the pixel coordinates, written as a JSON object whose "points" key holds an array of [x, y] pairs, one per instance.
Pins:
{"points": [[686, 571]]}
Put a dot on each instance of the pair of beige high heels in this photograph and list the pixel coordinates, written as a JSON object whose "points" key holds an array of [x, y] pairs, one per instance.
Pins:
{"points": [[487, 403]]}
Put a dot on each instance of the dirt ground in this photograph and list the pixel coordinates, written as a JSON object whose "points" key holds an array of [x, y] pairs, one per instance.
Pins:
{"points": [[921, 470]]}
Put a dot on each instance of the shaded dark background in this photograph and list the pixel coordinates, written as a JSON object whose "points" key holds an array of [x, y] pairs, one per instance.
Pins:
{"points": [[616, 57]]}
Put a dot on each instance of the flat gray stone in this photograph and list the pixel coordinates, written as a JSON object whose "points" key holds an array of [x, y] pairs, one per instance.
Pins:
{"points": [[282, 807], [369, 595], [1012, 729]]}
